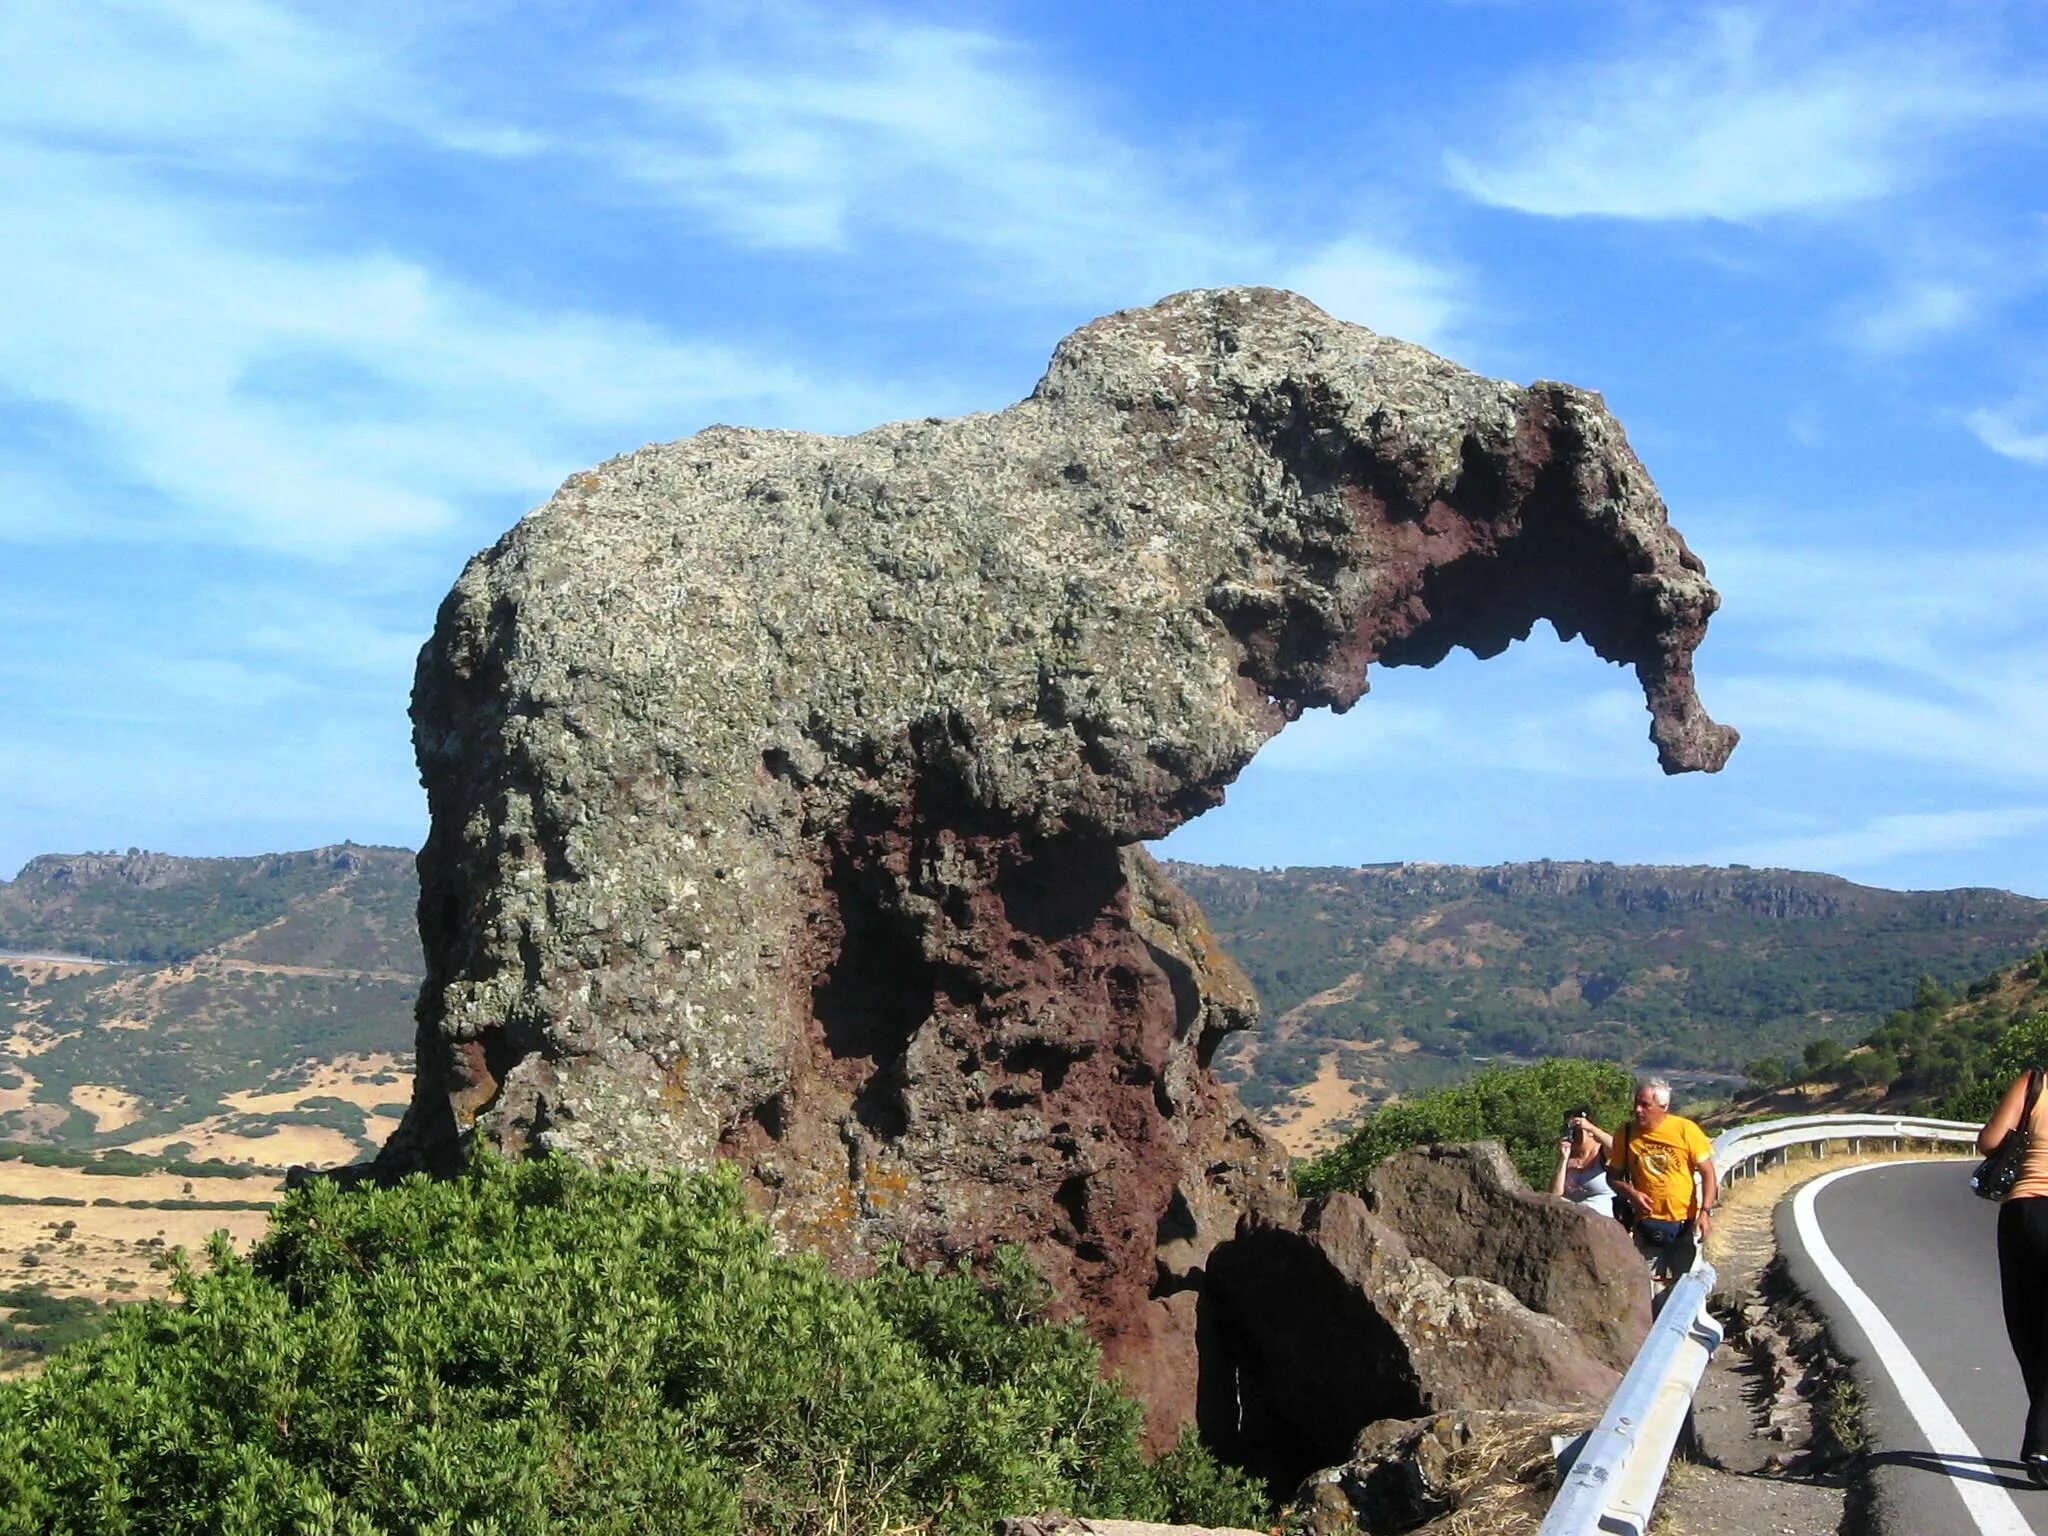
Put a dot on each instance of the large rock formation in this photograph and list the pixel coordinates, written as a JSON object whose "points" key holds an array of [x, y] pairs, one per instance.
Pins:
{"points": [[785, 788]]}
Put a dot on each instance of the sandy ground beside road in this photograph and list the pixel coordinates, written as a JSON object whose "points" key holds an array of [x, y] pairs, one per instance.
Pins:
{"points": [[1705, 1501]]}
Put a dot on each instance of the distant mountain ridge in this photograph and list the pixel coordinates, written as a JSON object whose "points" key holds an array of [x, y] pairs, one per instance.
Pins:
{"points": [[1401, 973], [162, 908], [232, 975], [224, 1003]]}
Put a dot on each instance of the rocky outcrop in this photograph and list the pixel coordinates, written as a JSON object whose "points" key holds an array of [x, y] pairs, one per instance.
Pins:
{"points": [[1464, 1208], [784, 788], [1330, 1322]]}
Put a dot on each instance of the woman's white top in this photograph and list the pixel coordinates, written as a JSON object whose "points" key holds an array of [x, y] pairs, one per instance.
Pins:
{"points": [[1588, 1185]]}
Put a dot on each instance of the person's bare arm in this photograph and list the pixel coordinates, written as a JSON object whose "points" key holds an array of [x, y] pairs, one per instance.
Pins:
{"points": [[1710, 1193], [2004, 1118], [1605, 1141], [1564, 1157]]}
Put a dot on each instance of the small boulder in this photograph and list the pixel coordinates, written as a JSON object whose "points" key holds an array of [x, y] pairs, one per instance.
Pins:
{"points": [[1369, 1330], [1465, 1209]]}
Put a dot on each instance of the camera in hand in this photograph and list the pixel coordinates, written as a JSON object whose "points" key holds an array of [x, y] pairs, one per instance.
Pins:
{"points": [[1569, 1130]]}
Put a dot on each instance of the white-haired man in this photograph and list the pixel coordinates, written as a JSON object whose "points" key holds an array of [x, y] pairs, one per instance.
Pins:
{"points": [[1652, 1166]]}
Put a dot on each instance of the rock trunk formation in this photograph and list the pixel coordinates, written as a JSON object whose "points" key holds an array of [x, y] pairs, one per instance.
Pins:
{"points": [[785, 788]]}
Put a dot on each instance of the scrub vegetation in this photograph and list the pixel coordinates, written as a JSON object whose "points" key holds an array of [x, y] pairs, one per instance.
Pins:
{"points": [[537, 1346]]}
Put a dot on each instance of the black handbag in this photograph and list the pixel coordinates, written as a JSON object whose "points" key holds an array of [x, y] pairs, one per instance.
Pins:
{"points": [[1624, 1208], [1997, 1174]]}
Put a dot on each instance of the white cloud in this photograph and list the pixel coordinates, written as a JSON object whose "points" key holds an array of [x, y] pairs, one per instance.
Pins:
{"points": [[2009, 431], [804, 131], [852, 134], [1393, 291], [1739, 114], [1915, 313], [1884, 840], [319, 403], [1946, 621]]}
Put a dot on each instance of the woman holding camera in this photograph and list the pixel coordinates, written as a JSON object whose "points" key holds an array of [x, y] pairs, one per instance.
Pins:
{"points": [[1581, 1175]]}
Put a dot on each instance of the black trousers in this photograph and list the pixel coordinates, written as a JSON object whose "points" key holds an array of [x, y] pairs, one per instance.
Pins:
{"points": [[2023, 1287]]}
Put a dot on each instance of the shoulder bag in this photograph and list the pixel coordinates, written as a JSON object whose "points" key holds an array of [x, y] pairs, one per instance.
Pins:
{"points": [[1997, 1174], [1624, 1208]]}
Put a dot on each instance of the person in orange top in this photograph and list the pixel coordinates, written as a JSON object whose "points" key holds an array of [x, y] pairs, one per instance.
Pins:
{"points": [[1663, 1165], [2023, 1258]]}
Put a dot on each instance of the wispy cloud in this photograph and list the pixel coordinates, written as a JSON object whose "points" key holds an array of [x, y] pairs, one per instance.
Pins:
{"points": [[802, 132], [1914, 313], [2018, 430], [1885, 840], [1740, 114], [315, 401], [959, 151]]}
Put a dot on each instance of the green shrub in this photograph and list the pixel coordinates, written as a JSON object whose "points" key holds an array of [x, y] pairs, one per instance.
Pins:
{"points": [[1521, 1106], [536, 1347], [2024, 1044]]}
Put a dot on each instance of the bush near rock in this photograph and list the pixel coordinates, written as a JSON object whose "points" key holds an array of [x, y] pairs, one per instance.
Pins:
{"points": [[539, 1347]]}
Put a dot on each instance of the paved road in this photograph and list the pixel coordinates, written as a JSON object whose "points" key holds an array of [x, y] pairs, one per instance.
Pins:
{"points": [[1901, 1257]]}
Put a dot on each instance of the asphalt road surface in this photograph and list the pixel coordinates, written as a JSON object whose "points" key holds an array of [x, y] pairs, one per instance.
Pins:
{"points": [[1901, 1257]]}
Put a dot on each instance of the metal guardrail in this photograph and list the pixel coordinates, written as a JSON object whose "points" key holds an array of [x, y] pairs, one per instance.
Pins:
{"points": [[1614, 1480]]}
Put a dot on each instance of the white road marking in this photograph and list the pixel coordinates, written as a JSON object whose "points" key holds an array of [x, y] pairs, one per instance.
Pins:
{"points": [[1990, 1505]]}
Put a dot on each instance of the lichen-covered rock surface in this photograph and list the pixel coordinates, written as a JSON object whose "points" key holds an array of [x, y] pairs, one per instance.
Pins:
{"points": [[784, 788]]}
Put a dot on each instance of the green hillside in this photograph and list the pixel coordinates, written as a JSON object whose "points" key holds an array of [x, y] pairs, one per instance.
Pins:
{"points": [[1947, 1054], [220, 977], [331, 906], [213, 978], [1407, 973]]}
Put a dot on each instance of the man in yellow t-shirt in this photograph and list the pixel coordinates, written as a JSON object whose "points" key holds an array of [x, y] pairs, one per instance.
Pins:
{"points": [[1652, 1165]]}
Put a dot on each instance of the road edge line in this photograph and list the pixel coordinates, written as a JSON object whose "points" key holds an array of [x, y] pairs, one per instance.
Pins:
{"points": [[1990, 1506]]}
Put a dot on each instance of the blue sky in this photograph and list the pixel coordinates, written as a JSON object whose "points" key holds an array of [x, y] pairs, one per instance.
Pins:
{"points": [[305, 304]]}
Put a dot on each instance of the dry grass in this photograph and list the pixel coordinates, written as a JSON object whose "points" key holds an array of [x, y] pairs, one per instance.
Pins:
{"points": [[1319, 1112], [20, 1096], [36, 972], [345, 1077], [1507, 1474], [111, 1253], [110, 1108], [315, 1145], [33, 1183]]}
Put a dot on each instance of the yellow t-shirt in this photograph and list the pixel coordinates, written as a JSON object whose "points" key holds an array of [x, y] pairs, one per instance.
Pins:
{"points": [[1660, 1164]]}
